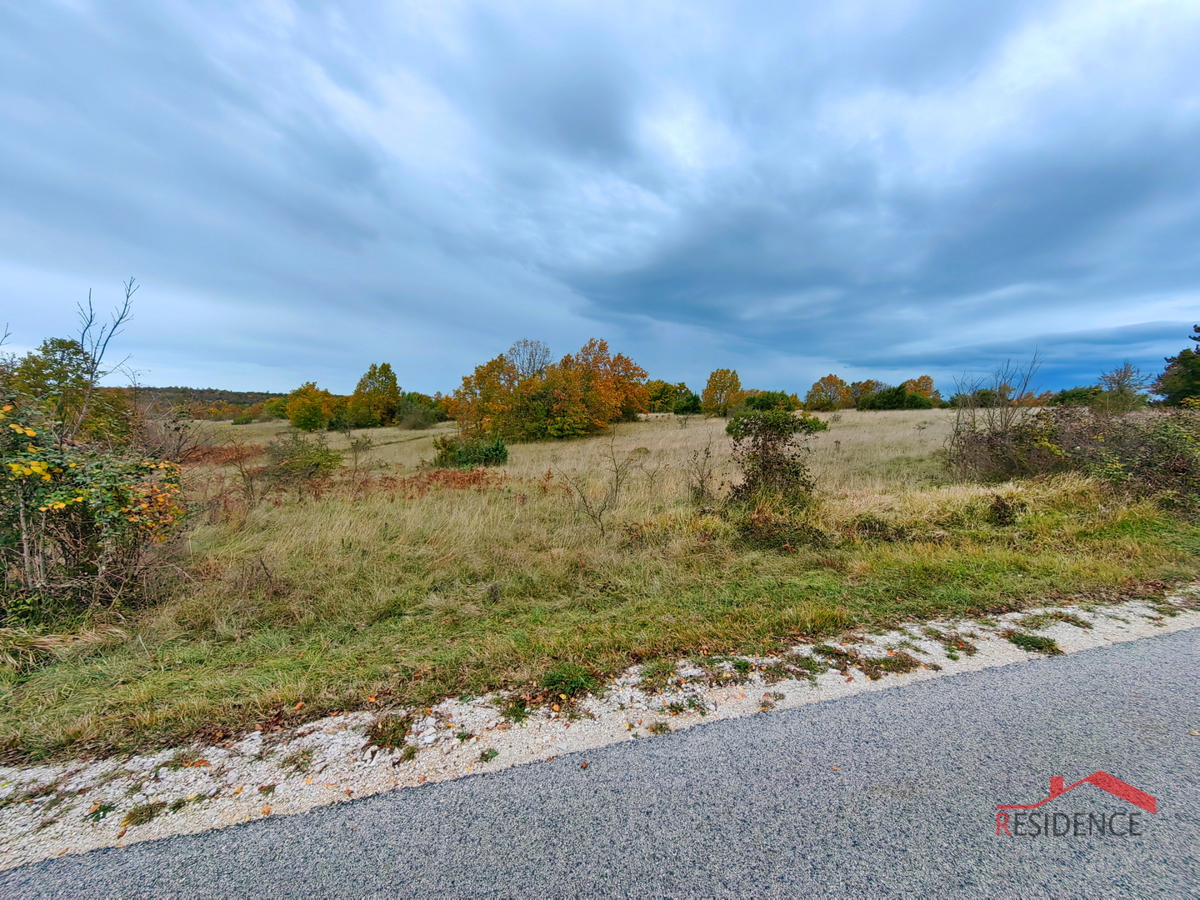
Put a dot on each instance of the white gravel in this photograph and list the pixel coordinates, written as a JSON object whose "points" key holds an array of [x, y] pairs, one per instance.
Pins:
{"points": [[53, 810]]}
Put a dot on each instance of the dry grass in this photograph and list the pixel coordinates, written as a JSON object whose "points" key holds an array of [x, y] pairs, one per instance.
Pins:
{"points": [[409, 587]]}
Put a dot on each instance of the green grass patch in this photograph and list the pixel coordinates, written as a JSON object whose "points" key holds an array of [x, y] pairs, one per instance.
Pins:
{"points": [[1033, 643], [414, 599]]}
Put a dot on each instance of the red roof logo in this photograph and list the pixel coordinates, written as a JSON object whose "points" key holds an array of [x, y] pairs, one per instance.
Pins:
{"points": [[1102, 780]]}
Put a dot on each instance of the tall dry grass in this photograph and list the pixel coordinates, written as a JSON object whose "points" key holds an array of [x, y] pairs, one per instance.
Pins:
{"points": [[407, 585]]}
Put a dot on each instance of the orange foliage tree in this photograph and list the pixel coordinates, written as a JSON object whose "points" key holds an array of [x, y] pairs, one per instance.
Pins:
{"points": [[581, 394], [923, 387], [828, 393]]}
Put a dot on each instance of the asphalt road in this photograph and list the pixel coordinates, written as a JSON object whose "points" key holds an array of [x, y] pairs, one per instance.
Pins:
{"points": [[880, 795]]}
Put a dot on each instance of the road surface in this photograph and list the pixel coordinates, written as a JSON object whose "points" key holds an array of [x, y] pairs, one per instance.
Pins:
{"points": [[886, 794]]}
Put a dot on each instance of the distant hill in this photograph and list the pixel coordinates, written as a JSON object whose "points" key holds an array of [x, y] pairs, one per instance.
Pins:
{"points": [[177, 396]]}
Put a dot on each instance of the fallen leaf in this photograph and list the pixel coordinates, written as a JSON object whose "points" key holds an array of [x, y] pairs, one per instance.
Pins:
{"points": [[850, 679], [266, 810], [299, 705], [371, 699], [583, 765], [239, 789], [95, 806], [562, 696], [1194, 733], [308, 781], [555, 707], [836, 769], [121, 833]]}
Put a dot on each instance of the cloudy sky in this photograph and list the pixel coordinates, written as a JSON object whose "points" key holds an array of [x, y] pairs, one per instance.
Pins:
{"points": [[879, 189]]}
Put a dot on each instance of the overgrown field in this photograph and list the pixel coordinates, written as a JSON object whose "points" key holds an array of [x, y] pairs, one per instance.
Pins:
{"points": [[395, 585]]}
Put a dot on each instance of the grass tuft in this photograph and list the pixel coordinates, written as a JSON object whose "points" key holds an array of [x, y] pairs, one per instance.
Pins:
{"points": [[1033, 643]]}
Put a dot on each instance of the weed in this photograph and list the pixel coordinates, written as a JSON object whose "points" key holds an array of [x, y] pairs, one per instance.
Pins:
{"points": [[99, 811], [298, 761], [659, 728], [897, 662], [1039, 621], [569, 679], [390, 731], [147, 812], [266, 790], [1033, 643], [656, 675], [464, 736], [408, 754], [489, 754], [515, 710]]}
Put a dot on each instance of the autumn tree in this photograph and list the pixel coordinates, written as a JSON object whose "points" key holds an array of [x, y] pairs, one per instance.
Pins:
{"points": [[923, 387], [377, 398], [722, 393], [310, 408], [827, 394], [581, 394]]}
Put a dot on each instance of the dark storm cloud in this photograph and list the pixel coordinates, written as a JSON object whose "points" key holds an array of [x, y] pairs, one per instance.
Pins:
{"points": [[878, 188]]}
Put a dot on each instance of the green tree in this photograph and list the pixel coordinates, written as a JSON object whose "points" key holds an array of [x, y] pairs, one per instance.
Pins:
{"points": [[310, 408], [764, 400], [722, 393], [1180, 382], [377, 398]]}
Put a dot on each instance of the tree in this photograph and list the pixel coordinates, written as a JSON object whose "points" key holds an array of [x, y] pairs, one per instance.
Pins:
{"points": [[310, 408], [722, 393], [663, 397], [923, 387], [861, 389], [530, 358], [377, 398], [827, 394], [581, 394], [898, 397], [1123, 389], [1180, 381], [764, 400]]}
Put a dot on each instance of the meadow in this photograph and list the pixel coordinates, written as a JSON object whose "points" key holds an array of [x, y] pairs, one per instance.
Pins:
{"points": [[394, 585]]}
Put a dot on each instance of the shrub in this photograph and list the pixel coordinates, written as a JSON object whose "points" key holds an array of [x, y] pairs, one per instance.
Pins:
{"points": [[764, 400], [469, 453], [1155, 454], [242, 420], [76, 520], [769, 447], [899, 397], [294, 460]]}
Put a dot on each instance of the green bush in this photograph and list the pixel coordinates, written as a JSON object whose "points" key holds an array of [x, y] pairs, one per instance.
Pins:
{"points": [[242, 420], [469, 453], [295, 459], [899, 397], [770, 447], [764, 400]]}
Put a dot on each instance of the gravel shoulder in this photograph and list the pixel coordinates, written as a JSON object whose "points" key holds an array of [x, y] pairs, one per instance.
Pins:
{"points": [[52, 811]]}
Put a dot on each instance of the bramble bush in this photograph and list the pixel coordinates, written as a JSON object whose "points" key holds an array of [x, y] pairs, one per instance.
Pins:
{"points": [[770, 447], [1154, 454], [469, 453]]}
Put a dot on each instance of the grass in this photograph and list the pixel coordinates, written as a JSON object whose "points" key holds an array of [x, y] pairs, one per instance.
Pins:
{"points": [[409, 588], [1033, 643], [141, 815]]}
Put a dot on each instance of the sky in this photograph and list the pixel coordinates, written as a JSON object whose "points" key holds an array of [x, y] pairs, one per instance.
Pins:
{"points": [[876, 189]]}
